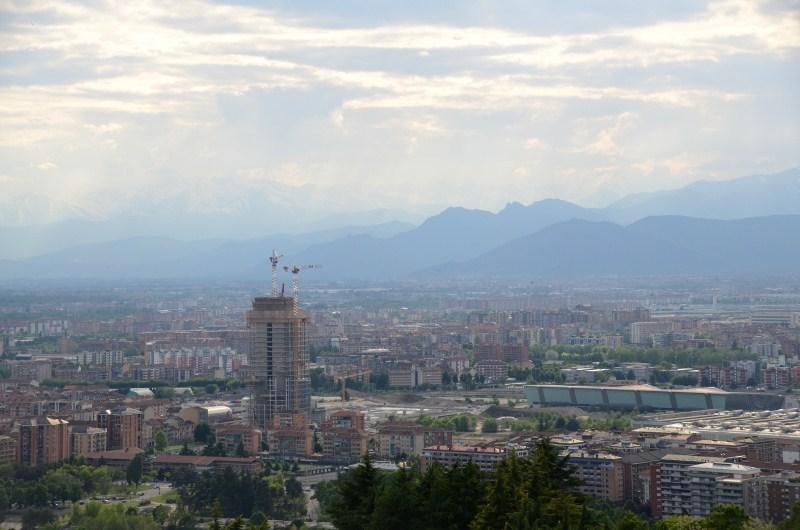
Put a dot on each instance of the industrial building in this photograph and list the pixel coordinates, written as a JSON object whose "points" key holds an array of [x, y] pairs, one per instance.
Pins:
{"points": [[647, 397], [781, 426]]}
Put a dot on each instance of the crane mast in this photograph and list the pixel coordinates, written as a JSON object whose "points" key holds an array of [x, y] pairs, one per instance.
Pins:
{"points": [[295, 270], [296, 338], [273, 259]]}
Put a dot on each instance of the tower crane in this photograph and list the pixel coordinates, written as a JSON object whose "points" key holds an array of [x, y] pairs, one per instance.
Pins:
{"points": [[274, 261], [295, 270], [297, 336], [342, 379]]}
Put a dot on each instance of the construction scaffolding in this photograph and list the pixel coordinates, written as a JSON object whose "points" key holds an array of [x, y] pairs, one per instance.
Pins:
{"points": [[279, 361]]}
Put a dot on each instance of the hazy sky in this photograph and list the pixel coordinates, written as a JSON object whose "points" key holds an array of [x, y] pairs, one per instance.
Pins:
{"points": [[348, 105]]}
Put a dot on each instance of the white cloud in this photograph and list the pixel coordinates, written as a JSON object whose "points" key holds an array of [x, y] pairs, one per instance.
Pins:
{"points": [[131, 97], [606, 141]]}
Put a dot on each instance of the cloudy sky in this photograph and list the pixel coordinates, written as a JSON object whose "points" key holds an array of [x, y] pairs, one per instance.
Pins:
{"points": [[325, 107]]}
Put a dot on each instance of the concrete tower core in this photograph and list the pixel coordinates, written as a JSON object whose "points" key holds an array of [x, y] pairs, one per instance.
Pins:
{"points": [[279, 363]]}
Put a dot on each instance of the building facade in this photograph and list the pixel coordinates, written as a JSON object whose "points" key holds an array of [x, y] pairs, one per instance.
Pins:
{"points": [[85, 439], [343, 436], [124, 427], [42, 441], [601, 474], [278, 361], [405, 439]]}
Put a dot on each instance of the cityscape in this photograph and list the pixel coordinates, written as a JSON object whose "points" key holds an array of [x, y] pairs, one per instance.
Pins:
{"points": [[370, 265]]}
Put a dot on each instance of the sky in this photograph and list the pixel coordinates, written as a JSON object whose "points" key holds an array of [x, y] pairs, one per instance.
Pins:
{"points": [[318, 108]]}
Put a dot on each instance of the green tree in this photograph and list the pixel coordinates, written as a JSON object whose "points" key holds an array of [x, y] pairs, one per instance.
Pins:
{"points": [[681, 522], [164, 392], [160, 441], [202, 433], [257, 519], [216, 513], [5, 499], [793, 522], [36, 517], [631, 521], [489, 426], [133, 475], [354, 504], [211, 388], [185, 451], [727, 517], [161, 514], [396, 504]]}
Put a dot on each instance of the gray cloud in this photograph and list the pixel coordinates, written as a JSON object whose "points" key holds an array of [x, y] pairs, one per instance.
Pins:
{"points": [[103, 103]]}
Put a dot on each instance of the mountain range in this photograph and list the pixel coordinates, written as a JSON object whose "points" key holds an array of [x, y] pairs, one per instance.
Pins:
{"points": [[746, 226]]}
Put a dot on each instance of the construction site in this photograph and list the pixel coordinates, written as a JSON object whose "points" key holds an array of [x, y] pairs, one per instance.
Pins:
{"points": [[280, 402]]}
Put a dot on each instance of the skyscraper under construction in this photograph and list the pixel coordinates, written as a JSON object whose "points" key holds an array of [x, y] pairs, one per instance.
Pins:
{"points": [[279, 363]]}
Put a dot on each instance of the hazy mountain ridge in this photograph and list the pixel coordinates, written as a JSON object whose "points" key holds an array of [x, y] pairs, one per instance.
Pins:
{"points": [[752, 196], [466, 239], [161, 257], [655, 246]]}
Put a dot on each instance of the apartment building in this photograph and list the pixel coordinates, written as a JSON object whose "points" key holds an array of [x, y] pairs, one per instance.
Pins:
{"points": [[772, 497], [124, 427], [601, 474], [397, 439], [343, 436], [8, 450], [42, 441], [232, 436], [713, 483], [486, 458], [290, 436], [492, 371], [673, 483], [643, 332], [85, 439]]}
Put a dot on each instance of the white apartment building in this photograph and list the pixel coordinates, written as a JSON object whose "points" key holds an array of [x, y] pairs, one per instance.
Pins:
{"points": [[713, 483]]}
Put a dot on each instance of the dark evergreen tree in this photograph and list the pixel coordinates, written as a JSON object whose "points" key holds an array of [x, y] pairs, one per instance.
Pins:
{"points": [[133, 474], [353, 506], [396, 506]]}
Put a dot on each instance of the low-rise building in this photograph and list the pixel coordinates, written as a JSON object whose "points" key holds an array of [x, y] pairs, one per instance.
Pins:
{"points": [[233, 436], [119, 458], [198, 464], [206, 413], [486, 458], [406, 439]]}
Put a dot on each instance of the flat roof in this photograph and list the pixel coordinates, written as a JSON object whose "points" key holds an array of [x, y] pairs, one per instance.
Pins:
{"points": [[639, 387]]}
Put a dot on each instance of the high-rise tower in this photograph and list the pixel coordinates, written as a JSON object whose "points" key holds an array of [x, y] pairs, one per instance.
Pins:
{"points": [[279, 363]]}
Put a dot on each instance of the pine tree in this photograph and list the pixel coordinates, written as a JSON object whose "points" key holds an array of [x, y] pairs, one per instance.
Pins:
{"points": [[397, 505], [133, 474], [353, 507]]}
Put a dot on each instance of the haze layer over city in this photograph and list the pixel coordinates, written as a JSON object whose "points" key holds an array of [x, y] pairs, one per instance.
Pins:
{"points": [[380, 265]]}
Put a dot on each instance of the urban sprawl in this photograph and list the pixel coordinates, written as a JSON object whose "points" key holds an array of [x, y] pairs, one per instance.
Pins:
{"points": [[671, 400]]}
